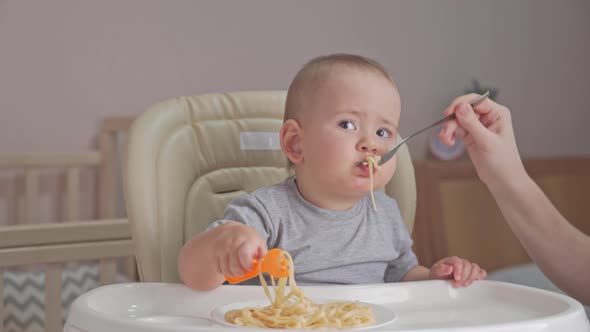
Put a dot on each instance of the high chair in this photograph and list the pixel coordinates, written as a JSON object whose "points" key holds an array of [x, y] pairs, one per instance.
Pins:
{"points": [[189, 156]]}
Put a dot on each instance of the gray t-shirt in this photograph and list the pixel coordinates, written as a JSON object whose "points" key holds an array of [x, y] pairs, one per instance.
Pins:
{"points": [[355, 246]]}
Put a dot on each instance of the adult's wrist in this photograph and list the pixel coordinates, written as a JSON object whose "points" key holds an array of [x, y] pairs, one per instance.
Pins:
{"points": [[509, 183]]}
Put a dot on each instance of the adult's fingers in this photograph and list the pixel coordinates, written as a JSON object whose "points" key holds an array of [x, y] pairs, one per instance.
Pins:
{"points": [[469, 121]]}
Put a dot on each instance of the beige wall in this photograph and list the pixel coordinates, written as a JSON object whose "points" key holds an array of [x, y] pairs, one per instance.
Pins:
{"points": [[66, 64]]}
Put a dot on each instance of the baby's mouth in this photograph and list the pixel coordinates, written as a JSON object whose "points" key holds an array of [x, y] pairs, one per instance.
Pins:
{"points": [[363, 164], [366, 161], [366, 168]]}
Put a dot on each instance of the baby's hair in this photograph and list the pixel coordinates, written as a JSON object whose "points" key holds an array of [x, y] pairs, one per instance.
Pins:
{"points": [[315, 69], [312, 73]]}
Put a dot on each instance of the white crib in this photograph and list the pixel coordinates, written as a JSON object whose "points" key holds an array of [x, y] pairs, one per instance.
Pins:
{"points": [[47, 261]]}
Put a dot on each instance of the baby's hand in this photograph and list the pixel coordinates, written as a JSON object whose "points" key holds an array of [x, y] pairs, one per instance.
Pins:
{"points": [[236, 246], [461, 270]]}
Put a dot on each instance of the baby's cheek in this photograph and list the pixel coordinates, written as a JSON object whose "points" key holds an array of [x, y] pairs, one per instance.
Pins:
{"points": [[387, 170], [335, 153], [327, 162]]}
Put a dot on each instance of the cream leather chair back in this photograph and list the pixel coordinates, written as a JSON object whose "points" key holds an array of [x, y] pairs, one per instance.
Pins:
{"points": [[188, 157]]}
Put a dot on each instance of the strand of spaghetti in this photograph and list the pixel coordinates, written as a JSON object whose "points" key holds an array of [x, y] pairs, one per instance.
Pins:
{"points": [[372, 163], [265, 287]]}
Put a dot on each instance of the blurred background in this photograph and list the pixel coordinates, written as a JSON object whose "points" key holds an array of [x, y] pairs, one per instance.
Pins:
{"points": [[66, 64]]}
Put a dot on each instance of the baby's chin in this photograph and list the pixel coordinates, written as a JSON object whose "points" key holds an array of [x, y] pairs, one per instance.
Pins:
{"points": [[362, 187], [349, 186]]}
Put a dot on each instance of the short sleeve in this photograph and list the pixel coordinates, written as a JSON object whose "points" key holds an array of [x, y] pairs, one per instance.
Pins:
{"points": [[248, 210], [406, 259], [400, 266]]}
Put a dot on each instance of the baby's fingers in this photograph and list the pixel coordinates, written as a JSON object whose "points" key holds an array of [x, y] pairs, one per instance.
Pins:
{"points": [[442, 271], [223, 264], [246, 253], [466, 269], [476, 273], [483, 274], [234, 265]]}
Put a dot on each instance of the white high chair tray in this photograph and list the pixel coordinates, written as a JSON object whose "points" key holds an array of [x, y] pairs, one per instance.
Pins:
{"points": [[414, 306]]}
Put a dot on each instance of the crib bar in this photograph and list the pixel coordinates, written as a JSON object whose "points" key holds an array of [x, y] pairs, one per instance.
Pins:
{"points": [[117, 123], [31, 196], [86, 158], [130, 268], [2, 311], [15, 236], [107, 175], [111, 130], [73, 194], [53, 305], [108, 270], [65, 252]]}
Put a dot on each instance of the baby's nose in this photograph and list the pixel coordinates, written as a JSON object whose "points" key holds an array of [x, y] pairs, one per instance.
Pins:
{"points": [[367, 144], [369, 148]]}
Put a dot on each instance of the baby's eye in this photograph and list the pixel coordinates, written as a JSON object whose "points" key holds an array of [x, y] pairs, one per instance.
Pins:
{"points": [[348, 125], [383, 133]]}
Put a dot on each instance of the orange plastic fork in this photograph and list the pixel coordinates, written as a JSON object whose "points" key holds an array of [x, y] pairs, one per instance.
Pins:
{"points": [[273, 263]]}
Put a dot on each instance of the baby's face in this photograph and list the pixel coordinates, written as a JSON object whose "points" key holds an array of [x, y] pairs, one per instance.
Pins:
{"points": [[352, 115]]}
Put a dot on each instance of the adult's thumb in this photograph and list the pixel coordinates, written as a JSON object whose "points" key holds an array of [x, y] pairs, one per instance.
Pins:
{"points": [[470, 122]]}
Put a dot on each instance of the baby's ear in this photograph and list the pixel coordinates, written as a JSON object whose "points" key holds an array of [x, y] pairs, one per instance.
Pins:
{"points": [[291, 133]]}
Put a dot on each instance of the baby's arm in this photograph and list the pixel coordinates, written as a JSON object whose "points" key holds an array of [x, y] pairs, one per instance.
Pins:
{"points": [[226, 249], [461, 270], [416, 273]]}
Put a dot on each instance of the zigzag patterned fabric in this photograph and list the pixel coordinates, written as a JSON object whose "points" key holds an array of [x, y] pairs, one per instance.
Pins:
{"points": [[24, 295]]}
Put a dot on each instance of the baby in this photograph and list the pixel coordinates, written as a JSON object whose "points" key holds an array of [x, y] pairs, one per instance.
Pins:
{"points": [[341, 109]]}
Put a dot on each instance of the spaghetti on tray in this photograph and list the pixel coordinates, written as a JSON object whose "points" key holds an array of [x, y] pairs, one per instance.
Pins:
{"points": [[293, 310]]}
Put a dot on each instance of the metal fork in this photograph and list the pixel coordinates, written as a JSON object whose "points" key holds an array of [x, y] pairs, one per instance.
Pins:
{"points": [[388, 155]]}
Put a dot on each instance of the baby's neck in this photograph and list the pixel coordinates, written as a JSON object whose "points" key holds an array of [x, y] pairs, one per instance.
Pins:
{"points": [[324, 199]]}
